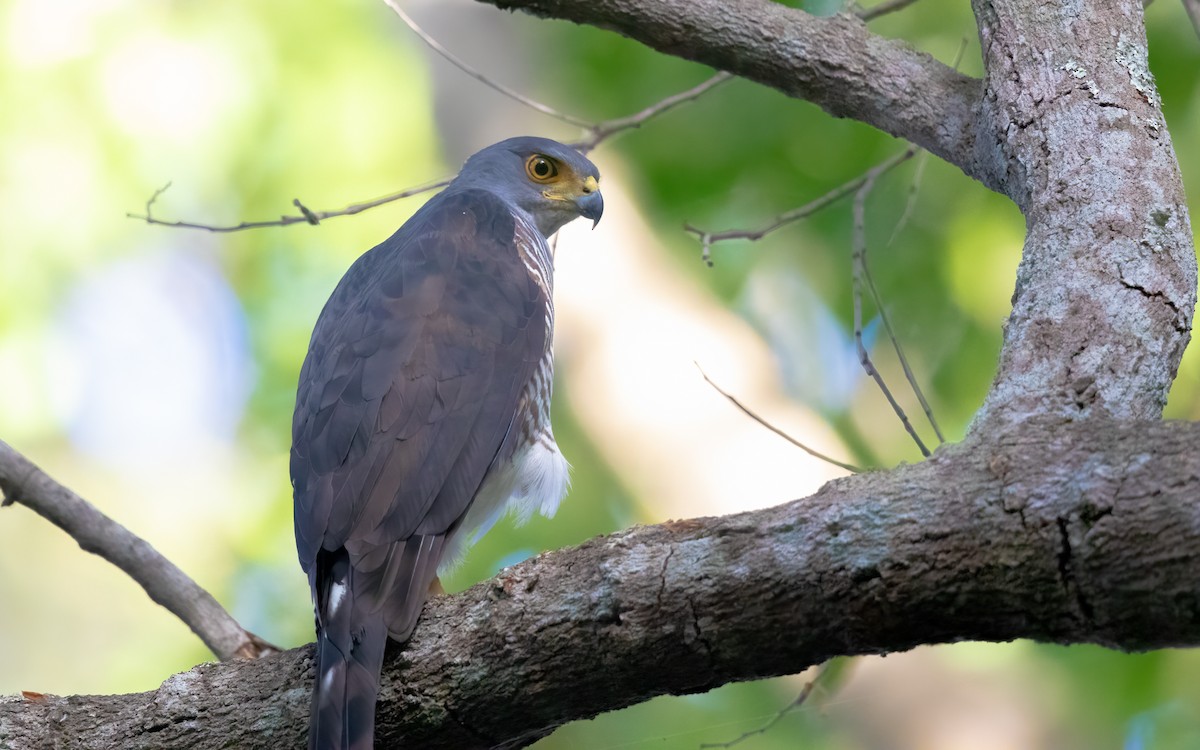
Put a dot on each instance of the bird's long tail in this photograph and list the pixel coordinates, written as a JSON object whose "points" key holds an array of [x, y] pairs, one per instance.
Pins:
{"points": [[350, 646]]}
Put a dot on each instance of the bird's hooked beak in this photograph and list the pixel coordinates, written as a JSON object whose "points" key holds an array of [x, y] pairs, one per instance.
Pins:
{"points": [[591, 203]]}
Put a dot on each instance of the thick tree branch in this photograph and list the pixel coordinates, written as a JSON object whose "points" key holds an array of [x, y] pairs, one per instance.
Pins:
{"points": [[23, 482], [833, 62], [1085, 532], [1063, 518], [1108, 271]]}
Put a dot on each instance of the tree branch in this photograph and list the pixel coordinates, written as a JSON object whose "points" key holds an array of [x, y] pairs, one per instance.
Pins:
{"points": [[462, 65], [883, 9], [1108, 271], [796, 702], [603, 131], [1063, 518], [1093, 536], [764, 423], [1193, 10], [862, 278], [834, 62], [23, 482], [708, 239], [596, 134], [306, 216]]}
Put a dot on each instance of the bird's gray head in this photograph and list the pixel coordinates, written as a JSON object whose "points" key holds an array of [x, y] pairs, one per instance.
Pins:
{"points": [[551, 182]]}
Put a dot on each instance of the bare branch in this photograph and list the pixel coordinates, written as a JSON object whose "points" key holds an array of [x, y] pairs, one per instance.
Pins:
{"points": [[708, 239], [155, 196], [459, 63], [306, 216], [1077, 517], [860, 264], [1135, 313], [596, 134], [834, 62], [908, 373], [921, 160], [748, 412], [1193, 10], [910, 203], [922, 155], [858, 185], [884, 8], [796, 702], [605, 130], [23, 482]]}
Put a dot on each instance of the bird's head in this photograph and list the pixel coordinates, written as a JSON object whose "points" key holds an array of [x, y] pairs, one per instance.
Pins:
{"points": [[550, 181]]}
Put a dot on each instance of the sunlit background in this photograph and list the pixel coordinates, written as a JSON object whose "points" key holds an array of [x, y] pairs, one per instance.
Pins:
{"points": [[153, 369]]}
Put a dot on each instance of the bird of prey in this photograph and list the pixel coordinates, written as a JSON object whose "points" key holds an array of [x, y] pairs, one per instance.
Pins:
{"points": [[422, 411]]}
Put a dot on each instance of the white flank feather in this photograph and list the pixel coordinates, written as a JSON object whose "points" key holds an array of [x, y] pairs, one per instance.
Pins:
{"points": [[535, 481]]}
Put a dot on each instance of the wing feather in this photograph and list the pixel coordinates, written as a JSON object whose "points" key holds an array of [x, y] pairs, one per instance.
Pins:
{"points": [[411, 383]]}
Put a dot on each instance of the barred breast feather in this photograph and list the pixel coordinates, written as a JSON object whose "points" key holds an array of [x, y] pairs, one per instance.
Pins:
{"points": [[531, 476]]}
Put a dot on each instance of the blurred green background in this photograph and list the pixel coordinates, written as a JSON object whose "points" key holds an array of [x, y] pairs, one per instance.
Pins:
{"points": [[153, 369]]}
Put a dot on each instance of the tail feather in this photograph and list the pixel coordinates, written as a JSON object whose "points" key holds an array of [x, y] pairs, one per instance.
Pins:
{"points": [[357, 609], [350, 646]]}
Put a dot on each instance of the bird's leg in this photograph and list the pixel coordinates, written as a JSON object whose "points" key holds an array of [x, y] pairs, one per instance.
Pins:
{"points": [[435, 587]]}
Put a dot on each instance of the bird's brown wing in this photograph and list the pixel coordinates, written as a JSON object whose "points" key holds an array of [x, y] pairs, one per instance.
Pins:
{"points": [[411, 383]]}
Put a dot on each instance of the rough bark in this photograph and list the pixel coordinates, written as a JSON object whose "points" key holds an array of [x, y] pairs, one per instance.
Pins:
{"points": [[1066, 516], [1063, 532], [1107, 283], [835, 63]]}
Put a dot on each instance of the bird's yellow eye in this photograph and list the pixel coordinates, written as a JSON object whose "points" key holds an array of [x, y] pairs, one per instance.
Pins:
{"points": [[540, 168]]}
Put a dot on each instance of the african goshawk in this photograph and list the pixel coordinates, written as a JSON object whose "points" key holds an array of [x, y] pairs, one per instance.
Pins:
{"points": [[422, 411]]}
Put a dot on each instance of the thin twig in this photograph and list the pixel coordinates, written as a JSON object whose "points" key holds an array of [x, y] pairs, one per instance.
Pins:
{"points": [[748, 412], [708, 239], [909, 205], [890, 6], [306, 216], [605, 130], [860, 263], [155, 196], [908, 373], [921, 160], [1193, 10], [796, 703], [910, 202], [459, 63], [23, 482], [597, 133], [861, 186], [919, 171]]}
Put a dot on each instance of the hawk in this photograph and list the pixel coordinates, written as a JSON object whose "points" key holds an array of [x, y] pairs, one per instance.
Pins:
{"points": [[423, 409]]}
